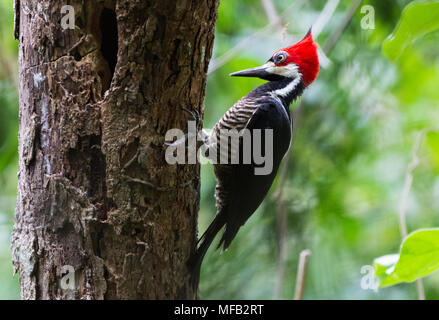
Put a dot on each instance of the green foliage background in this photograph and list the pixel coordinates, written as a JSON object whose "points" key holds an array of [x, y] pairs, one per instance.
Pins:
{"points": [[352, 144]]}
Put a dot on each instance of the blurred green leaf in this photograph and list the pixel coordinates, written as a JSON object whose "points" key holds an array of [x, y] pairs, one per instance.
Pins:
{"points": [[418, 18], [419, 257]]}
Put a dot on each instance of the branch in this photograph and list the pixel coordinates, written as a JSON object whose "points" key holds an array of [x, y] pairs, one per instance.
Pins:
{"points": [[301, 274], [405, 194], [324, 17], [408, 183], [335, 36], [226, 57], [270, 11]]}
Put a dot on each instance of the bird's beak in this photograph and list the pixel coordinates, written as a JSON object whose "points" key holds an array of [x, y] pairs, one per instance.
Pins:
{"points": [[258, 72]]}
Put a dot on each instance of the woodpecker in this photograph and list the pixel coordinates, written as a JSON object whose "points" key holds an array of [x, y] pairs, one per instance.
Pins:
{"points": [[239, 191]]}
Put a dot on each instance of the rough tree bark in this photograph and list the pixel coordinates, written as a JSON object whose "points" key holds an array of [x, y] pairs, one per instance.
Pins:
{"points": [[95, 192]]}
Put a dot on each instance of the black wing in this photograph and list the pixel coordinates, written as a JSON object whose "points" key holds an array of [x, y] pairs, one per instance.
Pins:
{"points": [[250, 189]]}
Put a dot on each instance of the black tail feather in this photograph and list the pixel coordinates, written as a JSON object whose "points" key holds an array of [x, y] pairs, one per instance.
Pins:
{"points": [[206, 240]]}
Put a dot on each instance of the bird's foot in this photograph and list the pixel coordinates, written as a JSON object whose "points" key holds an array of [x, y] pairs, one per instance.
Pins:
{"points": [[194, 114], [201, 134]]}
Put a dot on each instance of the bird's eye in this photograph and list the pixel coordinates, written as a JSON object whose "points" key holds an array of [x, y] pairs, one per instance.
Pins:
{"points": [[279, 57]]}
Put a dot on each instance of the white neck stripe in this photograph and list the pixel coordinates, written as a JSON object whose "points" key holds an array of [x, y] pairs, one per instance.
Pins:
{"points": [[283, 92]]}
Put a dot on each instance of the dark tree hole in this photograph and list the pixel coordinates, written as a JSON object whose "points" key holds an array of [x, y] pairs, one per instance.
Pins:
{"points": [[108, 25]]}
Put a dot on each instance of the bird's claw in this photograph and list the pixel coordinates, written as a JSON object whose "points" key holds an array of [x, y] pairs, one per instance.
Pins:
{"points": [[196, 117], [194, 114]]}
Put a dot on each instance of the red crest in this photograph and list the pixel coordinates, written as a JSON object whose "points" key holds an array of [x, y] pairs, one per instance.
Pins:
{"points": [[304, 55]]}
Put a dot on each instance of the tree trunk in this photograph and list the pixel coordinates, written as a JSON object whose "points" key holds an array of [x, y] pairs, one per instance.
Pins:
{"points": [[95, 194]]}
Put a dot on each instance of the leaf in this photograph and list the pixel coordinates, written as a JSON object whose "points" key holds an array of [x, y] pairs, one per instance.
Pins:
{"points": [[419, 257], [417, 19], [384, 264]]}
